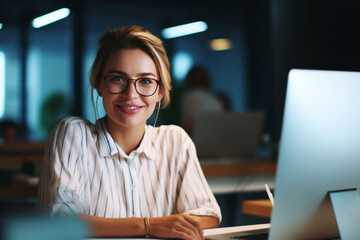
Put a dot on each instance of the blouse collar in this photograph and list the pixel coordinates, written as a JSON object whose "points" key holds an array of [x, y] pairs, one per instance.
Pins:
{"points": [[107, 146]]}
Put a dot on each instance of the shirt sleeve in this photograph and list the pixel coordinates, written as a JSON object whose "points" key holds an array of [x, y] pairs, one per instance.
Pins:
{"points": [[61, 180], [195, 196]]}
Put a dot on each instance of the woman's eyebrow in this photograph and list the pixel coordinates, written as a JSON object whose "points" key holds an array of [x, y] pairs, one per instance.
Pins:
{"points": [[146, 74], [117, 72]]}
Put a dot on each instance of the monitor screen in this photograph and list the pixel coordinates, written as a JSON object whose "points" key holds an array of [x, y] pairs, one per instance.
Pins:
{"points": [[319, 152]]}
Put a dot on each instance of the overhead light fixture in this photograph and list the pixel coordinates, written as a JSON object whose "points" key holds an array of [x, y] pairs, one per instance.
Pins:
{"points": [[220, 44], [1, 26], [183, 30], [50, 17]]}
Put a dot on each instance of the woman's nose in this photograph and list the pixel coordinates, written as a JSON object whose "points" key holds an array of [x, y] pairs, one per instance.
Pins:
{"points": [[131, 90]]}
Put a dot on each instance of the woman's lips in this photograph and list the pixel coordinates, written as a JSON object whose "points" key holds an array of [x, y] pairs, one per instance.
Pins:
{"points": [[129, 109]]}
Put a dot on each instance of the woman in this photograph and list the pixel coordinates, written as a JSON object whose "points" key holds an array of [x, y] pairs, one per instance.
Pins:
{"points": [[126, 178]]}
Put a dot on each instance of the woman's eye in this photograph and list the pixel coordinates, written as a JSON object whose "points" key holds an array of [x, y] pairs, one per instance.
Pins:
{"points": [[117, 79], [145, 81]]}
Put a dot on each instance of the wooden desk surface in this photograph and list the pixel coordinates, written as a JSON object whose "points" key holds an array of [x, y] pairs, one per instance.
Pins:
{"points": [[18, 191], [236, 167], [260, 208], [19, 152], [239, 175], [22, 146]]}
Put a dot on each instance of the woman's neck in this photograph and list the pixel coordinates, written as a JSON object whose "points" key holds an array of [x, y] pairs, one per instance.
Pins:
{"points": [[127, 138]]}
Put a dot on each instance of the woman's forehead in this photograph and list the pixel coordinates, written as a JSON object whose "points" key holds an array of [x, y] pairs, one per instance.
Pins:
{"points": [[132, 62]]}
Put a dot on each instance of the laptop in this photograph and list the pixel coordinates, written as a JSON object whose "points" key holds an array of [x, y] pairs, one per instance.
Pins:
{"points": [[255, 232], [228, 134]]}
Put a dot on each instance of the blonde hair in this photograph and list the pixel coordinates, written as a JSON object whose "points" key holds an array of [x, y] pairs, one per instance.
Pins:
{"points": [[132, 37]]}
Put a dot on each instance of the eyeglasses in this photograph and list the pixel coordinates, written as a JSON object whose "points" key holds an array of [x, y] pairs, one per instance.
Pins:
{"points": [[144, 86]]}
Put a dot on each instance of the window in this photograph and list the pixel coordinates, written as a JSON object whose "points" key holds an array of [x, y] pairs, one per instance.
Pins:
{"points": [[2, 84]]}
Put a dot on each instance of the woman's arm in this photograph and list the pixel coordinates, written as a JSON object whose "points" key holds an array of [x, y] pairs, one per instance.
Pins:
{"points": [[194, 194], [58, 189], [114, 227], [181, 226], [206, 221]]}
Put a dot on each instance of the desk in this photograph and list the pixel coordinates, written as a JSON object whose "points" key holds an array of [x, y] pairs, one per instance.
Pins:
{"points": [[20, 152], [207, 232], [239, 175], [235, 167], [241, 183], [16, 157], [237, 182], [260, 208]]}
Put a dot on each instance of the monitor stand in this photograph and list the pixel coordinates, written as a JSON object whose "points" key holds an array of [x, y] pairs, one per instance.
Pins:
{"points": [[346, 205]]}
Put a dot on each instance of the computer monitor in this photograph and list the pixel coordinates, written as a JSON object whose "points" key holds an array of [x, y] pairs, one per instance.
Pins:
{"points": [[319, 153]]}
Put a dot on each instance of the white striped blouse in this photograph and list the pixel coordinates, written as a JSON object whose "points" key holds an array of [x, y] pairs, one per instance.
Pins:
{"points": [[85, 171]]}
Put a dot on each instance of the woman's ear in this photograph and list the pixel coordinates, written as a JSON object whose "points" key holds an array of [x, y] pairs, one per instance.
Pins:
{"points": [[99, 91], [160, 94]]}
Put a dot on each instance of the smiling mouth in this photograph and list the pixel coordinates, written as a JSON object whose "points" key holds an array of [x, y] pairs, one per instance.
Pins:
{"points": [[130, 108]]}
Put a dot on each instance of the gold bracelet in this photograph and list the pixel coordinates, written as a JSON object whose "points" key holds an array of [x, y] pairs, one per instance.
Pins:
{"points": [[147, 225]]}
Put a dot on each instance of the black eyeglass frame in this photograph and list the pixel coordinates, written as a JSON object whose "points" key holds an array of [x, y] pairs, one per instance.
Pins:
{"points": [[158, 82]]}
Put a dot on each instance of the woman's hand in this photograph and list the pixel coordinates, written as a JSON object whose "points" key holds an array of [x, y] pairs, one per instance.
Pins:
{"points": [[179, 226]]}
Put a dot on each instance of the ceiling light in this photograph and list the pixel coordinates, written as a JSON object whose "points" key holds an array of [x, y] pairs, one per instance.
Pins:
{"points": [[1, 26], [220, 44], [50, 17], [183, 30]]}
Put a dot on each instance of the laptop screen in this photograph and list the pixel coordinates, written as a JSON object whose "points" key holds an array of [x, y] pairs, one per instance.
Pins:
{"points": [[233, 135]]}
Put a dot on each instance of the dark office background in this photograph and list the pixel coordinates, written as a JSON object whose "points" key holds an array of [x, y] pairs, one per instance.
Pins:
{"points": [[47, 69]]}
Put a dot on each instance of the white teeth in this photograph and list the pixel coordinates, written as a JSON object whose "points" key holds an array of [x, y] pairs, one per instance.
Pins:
{"points": [[130, 108]]}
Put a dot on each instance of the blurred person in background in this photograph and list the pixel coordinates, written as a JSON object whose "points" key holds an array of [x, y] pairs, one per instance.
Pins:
{"points": [[198, 98]]}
